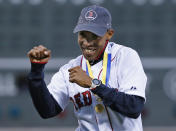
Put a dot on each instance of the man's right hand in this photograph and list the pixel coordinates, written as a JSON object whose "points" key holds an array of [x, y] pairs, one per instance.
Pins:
{"points": [[39, 54]]}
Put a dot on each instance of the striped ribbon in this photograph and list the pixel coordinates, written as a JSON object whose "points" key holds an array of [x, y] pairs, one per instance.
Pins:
{"points": [[106, 68]]}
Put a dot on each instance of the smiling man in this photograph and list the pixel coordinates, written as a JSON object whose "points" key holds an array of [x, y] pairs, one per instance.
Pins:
{"points": [[106, 83]]}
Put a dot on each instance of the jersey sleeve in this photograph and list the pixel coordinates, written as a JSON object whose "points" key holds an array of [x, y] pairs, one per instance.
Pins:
{"points": [[132, 78], [58, 88]]}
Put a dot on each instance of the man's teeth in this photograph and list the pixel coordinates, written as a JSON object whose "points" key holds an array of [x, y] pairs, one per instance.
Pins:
{"points": [[89, 51]]}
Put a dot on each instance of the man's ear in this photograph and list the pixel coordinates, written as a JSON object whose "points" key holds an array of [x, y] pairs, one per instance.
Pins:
{"points": [[110, 33]]}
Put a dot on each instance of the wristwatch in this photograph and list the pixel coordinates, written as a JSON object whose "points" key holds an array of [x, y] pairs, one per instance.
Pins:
{"points": [[95, 83]]}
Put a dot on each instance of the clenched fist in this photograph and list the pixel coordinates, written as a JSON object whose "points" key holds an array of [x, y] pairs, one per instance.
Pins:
{"points": [[78, 76], [39, 54]]}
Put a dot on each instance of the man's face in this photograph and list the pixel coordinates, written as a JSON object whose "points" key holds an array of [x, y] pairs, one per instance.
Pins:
{"points": [[91, 45]]}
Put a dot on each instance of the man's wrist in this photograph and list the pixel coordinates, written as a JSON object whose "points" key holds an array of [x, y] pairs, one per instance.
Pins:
{"points": [[36, 67], [95, 83]]}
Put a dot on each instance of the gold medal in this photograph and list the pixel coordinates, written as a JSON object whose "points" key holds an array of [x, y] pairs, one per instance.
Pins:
{"points": [[99, 108]]}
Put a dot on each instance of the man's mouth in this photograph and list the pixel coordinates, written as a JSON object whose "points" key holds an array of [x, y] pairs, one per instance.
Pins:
{"points": [[89, 51]]}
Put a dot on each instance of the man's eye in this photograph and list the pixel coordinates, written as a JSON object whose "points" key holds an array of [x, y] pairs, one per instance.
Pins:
{"points": [[94, 37]]}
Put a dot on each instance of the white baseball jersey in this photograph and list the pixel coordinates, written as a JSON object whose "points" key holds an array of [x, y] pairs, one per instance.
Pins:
{"points": [[126, 72]]}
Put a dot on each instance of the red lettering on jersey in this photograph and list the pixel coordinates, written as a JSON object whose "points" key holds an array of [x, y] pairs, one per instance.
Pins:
{"points": [[87, 98], [78, 100]]}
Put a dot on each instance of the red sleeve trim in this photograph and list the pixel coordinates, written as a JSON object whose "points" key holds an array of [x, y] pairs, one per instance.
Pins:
{"points": [[40, 62]]}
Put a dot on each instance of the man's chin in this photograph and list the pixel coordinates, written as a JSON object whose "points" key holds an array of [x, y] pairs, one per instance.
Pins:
{"points": [[89, 58]]}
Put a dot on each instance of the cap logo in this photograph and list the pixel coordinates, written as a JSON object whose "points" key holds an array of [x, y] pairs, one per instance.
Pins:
{"points": [[90, 15]]}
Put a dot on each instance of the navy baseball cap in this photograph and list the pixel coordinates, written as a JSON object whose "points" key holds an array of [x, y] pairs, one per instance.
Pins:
{"points": [[95, 19]]}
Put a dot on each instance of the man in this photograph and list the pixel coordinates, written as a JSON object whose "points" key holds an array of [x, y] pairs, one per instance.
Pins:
{"points": [[106, 83]]}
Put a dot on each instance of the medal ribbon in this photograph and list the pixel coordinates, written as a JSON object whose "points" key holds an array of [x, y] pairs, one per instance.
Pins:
{"points": [[106, 68]]}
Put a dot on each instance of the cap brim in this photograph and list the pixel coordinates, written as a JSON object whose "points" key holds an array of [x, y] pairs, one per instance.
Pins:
{"points": [[100, 31]]}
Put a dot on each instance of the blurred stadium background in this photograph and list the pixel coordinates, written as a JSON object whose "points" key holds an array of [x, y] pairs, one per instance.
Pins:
{"points": [[148, 26]]}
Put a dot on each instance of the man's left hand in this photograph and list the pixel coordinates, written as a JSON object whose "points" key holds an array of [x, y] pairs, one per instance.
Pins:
{"points": [[79, 76]]}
